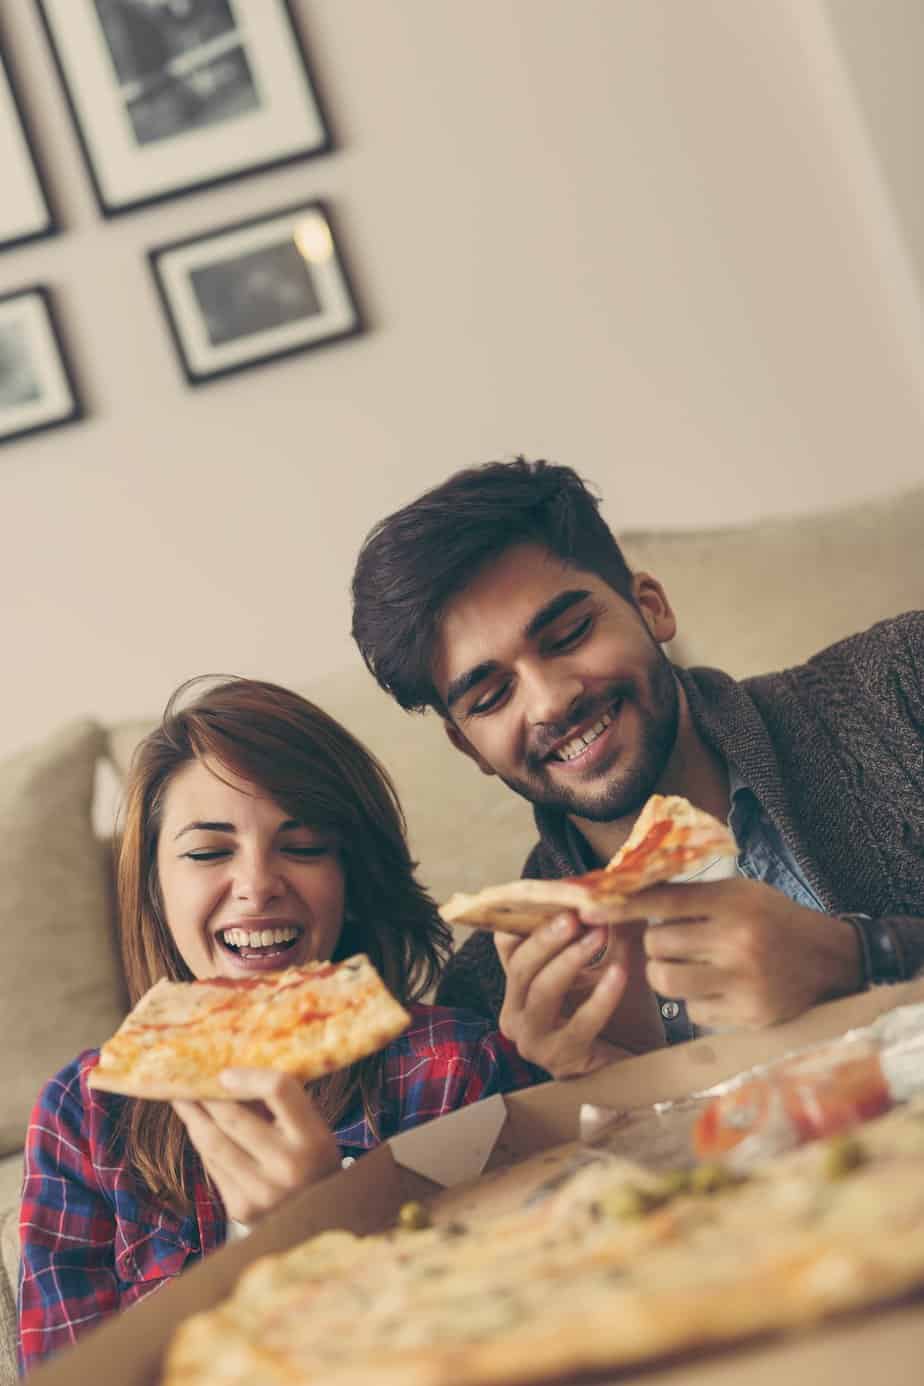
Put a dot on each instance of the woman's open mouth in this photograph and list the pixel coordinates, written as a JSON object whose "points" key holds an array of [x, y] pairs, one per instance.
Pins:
{"points": [[263, 944]]}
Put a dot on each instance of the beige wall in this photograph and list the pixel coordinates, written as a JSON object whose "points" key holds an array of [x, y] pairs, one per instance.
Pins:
{"points": [[651, 238], [882, 45]]}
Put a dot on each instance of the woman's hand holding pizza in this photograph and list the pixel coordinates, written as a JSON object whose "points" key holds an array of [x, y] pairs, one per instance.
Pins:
{"points": [[557, 1005], [265, 1145], [742, 954]]}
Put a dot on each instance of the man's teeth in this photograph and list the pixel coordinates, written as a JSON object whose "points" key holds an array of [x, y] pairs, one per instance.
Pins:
{"points": [[577, 744], [260, 938]]}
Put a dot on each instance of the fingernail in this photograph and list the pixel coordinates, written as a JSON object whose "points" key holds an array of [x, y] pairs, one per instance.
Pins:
{"points": [[561, 926], [229, 1078]]}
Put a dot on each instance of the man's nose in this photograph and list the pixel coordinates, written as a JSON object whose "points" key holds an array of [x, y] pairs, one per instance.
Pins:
{"points": [[550, 693]]}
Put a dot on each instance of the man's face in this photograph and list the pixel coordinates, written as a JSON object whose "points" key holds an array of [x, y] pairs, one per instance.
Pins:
{"points": [[557, 684]]}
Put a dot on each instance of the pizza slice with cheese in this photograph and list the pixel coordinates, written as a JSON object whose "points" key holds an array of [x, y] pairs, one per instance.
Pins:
{"points": [[307, 1021], [671, 836]]}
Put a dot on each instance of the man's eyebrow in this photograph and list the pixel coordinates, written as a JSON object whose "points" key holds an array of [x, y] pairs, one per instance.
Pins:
{"points": [[543, 617], [460, 686], [553, 609]]}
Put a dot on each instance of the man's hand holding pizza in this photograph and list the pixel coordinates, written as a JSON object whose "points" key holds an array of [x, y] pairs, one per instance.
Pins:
{"points": [[743, 955], [576, 997], [263, 1146], [738, 953], [550, 1022]]}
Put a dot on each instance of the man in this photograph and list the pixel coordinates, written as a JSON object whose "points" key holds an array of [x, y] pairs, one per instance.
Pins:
{"points": [[502, 600]]}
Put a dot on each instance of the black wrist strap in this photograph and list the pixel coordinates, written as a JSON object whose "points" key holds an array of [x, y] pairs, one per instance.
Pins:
{"points": [[880, 954]]}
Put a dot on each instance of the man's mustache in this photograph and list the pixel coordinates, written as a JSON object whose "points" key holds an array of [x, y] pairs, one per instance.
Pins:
{"points": [[587, 709]]}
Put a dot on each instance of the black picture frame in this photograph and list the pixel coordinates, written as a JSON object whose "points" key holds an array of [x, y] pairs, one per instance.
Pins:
{"points": [[26, 213], [165, 112], [255, 291], [38, 389]]}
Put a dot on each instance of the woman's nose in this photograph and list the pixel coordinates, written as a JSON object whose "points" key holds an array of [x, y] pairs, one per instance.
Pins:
{"points": [[258, 878]]}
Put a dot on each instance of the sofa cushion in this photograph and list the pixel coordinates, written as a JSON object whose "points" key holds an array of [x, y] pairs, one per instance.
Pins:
{"points": [[765, 596], [60, 988], [466, 829]]}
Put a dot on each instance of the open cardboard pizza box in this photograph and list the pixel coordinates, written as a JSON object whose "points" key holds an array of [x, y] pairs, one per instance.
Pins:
{"points": [[486, 1158]]}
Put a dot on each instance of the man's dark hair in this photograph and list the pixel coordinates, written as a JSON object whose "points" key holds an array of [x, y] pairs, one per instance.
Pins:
{"points": [[419, 558]]}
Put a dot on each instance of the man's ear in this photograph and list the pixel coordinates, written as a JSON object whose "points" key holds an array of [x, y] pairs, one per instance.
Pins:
{"points": [[654, 607], [466, 747]]}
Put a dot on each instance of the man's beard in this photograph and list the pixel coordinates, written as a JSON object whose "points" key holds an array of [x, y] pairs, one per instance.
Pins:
{"points": [[638, 769]]}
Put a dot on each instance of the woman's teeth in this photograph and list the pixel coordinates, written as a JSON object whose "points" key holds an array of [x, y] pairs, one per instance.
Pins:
{"points": [[259, 938], [578, 744]]}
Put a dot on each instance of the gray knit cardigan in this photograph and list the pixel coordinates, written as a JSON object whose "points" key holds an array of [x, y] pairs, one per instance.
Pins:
{"points": [[834, 751]]}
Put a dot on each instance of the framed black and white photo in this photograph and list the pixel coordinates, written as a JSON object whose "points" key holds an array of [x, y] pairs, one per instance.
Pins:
{"points": [[255, 291], [171, 96], [25, 214], [37, 389]]}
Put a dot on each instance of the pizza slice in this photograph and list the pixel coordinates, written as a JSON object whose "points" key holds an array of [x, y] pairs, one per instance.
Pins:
{"points": [[307, 1021], [670, 836]]}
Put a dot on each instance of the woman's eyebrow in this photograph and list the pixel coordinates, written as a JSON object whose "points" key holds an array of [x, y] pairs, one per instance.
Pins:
{"points": [[205, 827], [289, 826]]}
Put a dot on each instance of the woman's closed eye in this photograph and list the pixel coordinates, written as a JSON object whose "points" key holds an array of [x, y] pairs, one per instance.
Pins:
{"points": [[289, 849]]}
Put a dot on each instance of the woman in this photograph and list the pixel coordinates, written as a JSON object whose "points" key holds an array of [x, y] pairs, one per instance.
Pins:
{"points": [[257, 834]]}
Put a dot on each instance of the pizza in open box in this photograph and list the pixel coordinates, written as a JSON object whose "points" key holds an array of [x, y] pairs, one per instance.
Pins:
{"points": [[670, 836], [618, 1266], [306, 1021]]}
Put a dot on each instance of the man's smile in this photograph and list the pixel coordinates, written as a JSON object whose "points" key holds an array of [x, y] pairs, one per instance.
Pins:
{"points": [[583, 737], [581, 744]]}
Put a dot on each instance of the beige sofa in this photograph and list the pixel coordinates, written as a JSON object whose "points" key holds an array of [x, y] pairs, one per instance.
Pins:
{"points": [[748, 600]]}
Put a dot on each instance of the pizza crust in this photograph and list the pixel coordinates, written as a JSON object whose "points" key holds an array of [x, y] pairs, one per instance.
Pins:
{"points": [[522, 906]]}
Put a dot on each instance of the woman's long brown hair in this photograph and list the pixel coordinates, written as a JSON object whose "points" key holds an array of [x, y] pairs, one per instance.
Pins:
{"points": [[320, 775]]}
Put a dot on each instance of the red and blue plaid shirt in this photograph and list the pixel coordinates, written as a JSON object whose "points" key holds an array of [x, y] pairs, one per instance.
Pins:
{"points": [[95, 1240]]}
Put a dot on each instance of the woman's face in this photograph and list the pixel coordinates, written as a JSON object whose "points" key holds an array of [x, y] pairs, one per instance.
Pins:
{"points": [[245, 889]]}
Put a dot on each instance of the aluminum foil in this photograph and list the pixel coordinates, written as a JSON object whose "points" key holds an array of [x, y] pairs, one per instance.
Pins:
{"points": [[660, 1135]]}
